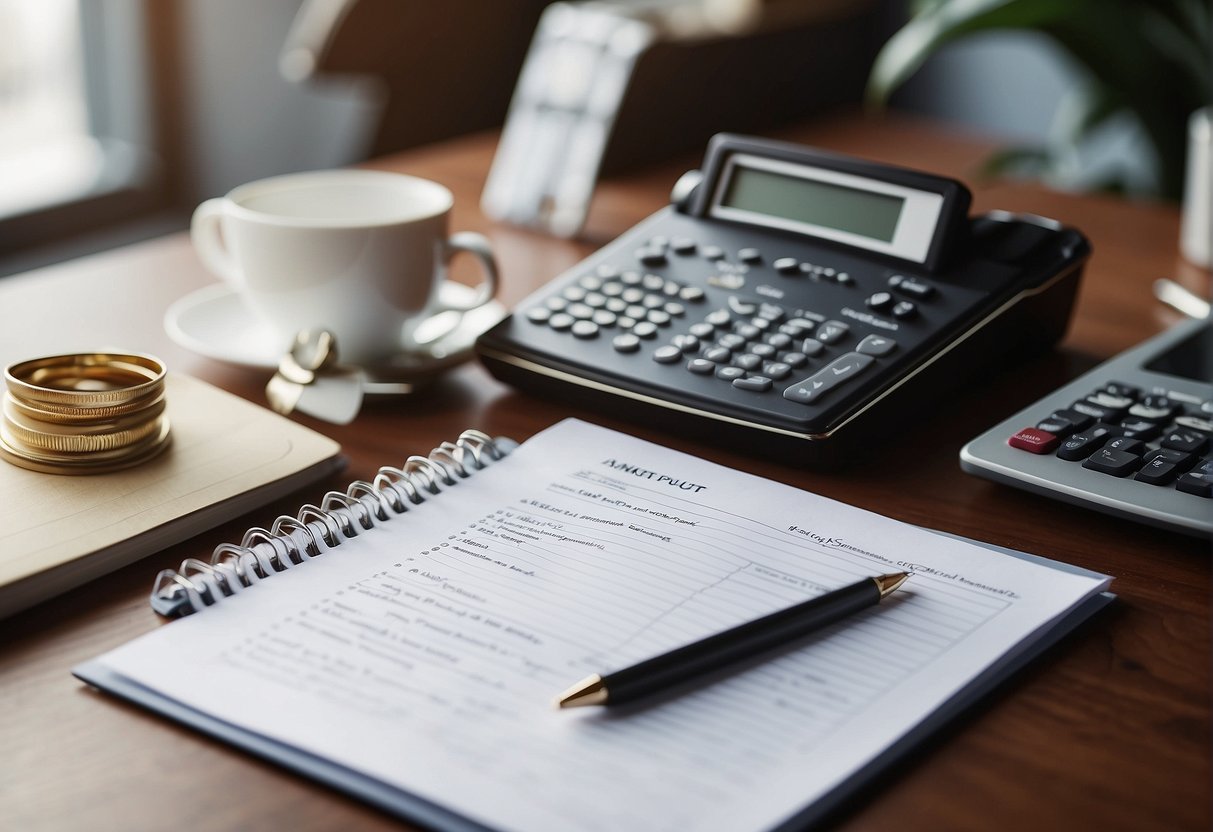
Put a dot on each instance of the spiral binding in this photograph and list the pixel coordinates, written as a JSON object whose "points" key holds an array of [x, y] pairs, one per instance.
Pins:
{"points": [[315, 529]]}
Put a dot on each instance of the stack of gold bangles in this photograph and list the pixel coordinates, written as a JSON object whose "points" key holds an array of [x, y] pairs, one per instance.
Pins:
{"points": [[85, 413]]}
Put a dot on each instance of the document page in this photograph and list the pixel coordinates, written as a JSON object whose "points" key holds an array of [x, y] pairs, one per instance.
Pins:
{"points": [[427, 653]]}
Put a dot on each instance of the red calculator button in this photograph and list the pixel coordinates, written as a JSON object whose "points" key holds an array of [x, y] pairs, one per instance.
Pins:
{"points": [[1034, 440]]}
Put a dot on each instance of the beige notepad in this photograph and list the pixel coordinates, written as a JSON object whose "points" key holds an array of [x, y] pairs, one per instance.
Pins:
{"points": [[227, 456]]}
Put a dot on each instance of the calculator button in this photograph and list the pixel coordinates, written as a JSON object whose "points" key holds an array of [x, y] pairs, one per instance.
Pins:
{"points": [[653, 302], [1080, 421], [780, 340], [686, 343], [832, 375], [658, 317], [1082, 445], [538, 314], [585, 329], [691, 294], [747, 361], [749, 255], [632, 294], [795, 359], [615, 305], [731, 341], [876, 345], [762, 350], [674, 309], [580, 311], [831, 332], [574, 293], [1127, 444], [904, 310], [712, 252], [631, 278], [1194, 423], [636, 311], [556, 304], [667, 354], [589, 282], [1117, 388], [755, 384], [811, 347], [777, 370], [844, 278], [1183, 461], [1142, 429], [718, 354], [604, 318], [1110, 461], [1157, 472], [879, 301], [1057, 427], [771, 312], [682, 245], [701, 330], [1096, 411], [645, 329], [612, 290], [1193, 482], [720, 317], [625, 343], [651, 256], [1034, 440], [746, 331], [561, 321], [787, 265], [701, 366], [729, 373], [1191, 441], [1154, 414], [910, 286], [607, 271], [1108, 400], [652, 282], [742, 307]]}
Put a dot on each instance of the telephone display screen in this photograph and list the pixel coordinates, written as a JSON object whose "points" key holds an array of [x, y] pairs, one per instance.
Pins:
{"points": [[824, 204]]}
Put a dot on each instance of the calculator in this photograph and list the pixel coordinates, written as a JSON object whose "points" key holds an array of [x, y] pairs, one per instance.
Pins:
{"points": [[793, 302], [1132, 437]]}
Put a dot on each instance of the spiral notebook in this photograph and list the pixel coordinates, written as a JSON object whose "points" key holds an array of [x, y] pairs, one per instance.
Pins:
{"points": [[412, 632]]}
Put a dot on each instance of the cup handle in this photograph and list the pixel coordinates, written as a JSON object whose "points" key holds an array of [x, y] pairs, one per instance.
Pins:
{"points": [[208, 241], [478, 246]]}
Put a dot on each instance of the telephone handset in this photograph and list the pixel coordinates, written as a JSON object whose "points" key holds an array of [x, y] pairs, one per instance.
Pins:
{"points": [[800, 303]]}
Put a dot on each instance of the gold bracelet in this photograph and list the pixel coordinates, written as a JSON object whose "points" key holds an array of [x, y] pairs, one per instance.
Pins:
{"points": [[140, 410], [79, 443], [85, 413], [92, 463], [95, 379]]}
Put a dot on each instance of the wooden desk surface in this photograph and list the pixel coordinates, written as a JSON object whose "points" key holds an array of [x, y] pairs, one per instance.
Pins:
{"points": [[1111, 730]]}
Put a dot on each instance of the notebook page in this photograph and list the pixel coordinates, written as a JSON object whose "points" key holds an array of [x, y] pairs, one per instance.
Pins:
{"points": [[427, 653]]}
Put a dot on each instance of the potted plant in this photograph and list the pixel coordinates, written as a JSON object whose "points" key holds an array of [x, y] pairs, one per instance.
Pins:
{"points": [[1147, 59]]}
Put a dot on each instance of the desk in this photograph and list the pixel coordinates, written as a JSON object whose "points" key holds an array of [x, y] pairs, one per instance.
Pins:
{"points": [[1111, 730]]}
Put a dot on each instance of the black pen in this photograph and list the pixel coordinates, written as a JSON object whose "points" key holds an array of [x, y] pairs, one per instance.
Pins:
{"points": [[742, 642]]}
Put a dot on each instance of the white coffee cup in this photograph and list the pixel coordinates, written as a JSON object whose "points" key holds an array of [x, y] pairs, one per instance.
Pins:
{"points": [[360, 253]]}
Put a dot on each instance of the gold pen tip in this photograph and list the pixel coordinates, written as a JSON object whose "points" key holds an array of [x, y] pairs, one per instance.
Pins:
{"points": [[888, 583], [589, 691]]}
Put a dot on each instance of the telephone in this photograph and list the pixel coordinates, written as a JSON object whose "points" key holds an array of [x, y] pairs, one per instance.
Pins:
{"points": [[795, 302]]}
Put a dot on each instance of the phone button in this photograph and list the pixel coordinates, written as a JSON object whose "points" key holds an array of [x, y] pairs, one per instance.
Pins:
{"points": [[837, 372]]}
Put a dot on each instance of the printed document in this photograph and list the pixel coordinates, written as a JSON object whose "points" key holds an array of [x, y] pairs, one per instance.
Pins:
{"points": [[426, 653]]}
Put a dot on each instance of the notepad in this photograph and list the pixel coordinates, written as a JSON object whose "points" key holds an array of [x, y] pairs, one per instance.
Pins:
{"points": [[228, 456], [415, 664]]}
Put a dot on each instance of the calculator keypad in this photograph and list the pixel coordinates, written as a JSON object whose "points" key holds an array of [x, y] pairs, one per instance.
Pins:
{"points": [[1159, 439], [751, 343]]}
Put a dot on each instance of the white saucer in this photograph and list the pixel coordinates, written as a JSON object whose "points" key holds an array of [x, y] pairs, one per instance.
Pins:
{"points": [[215, 322]]}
